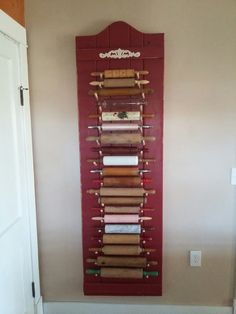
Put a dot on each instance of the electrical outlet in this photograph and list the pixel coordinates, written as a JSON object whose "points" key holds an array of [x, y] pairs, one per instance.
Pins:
{"points": [[195, 258]]}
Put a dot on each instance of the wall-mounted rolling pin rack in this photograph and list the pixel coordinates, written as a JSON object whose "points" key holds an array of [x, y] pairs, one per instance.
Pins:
{"points": [[120, 97]]}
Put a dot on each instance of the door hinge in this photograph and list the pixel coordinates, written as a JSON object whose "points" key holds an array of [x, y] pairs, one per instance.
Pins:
{"points": [[21, 88], [33, 289]]}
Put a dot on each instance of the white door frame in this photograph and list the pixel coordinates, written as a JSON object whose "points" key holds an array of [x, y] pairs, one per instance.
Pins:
{"points": [[16, 32]]}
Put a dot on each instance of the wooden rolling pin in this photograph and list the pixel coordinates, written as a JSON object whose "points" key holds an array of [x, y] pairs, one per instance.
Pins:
{"points": [[121, 116], [120, 171], [120, 73], [118, 82], [132, 91], [123, 209], [122, 181], [121, 138], [117, 261], [126, 273], [129, 218], [104, 200], [121, 250], [123, 239], [119, 127], [119, 150], [107, 191]]}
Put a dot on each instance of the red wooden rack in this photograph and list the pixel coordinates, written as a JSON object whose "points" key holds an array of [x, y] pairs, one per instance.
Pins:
{"points": [[120, 46]]}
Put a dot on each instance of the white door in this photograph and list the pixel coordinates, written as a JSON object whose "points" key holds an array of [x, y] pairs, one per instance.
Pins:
{"points": [[15, 248]]}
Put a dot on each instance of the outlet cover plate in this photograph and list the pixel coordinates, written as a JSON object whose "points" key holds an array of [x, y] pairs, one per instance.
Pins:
{"points": [[195, 258]]}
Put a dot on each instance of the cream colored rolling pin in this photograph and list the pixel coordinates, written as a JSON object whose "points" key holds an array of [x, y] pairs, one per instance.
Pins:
{"points": [[119, 127], [120, 160], [121, 218], [121, 250], [122, 116]]}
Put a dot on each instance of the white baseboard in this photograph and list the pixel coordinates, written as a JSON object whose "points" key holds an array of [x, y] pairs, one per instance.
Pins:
{"points": [[234, 307], [102, 308]]}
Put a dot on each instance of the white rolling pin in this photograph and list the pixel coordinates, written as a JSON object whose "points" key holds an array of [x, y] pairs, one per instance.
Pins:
{"points": [[120, 160], [135, 229], [119, 127]]}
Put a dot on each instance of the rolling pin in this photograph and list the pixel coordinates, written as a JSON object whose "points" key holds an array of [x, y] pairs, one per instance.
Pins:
{"points": [[125, 273], [119, 73], [119, 150], [129, 218], [124, 229], [123, 239], [133, 91], [121, 160], [121, 250], [107, 191], [123, 209], [120, 171], [122, 181], [119, 127], [122, 116], [104, 200], [122, 138], [119, 82], [117, 261]]}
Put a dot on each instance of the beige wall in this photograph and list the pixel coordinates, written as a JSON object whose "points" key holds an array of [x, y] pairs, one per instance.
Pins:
{"points": [[199, 142]]}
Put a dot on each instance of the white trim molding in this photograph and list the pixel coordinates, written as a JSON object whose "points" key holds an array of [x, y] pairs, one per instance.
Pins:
{"points": [[119, 54], [12, 29], [102, 308], [234, 306], [39, 306]]}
